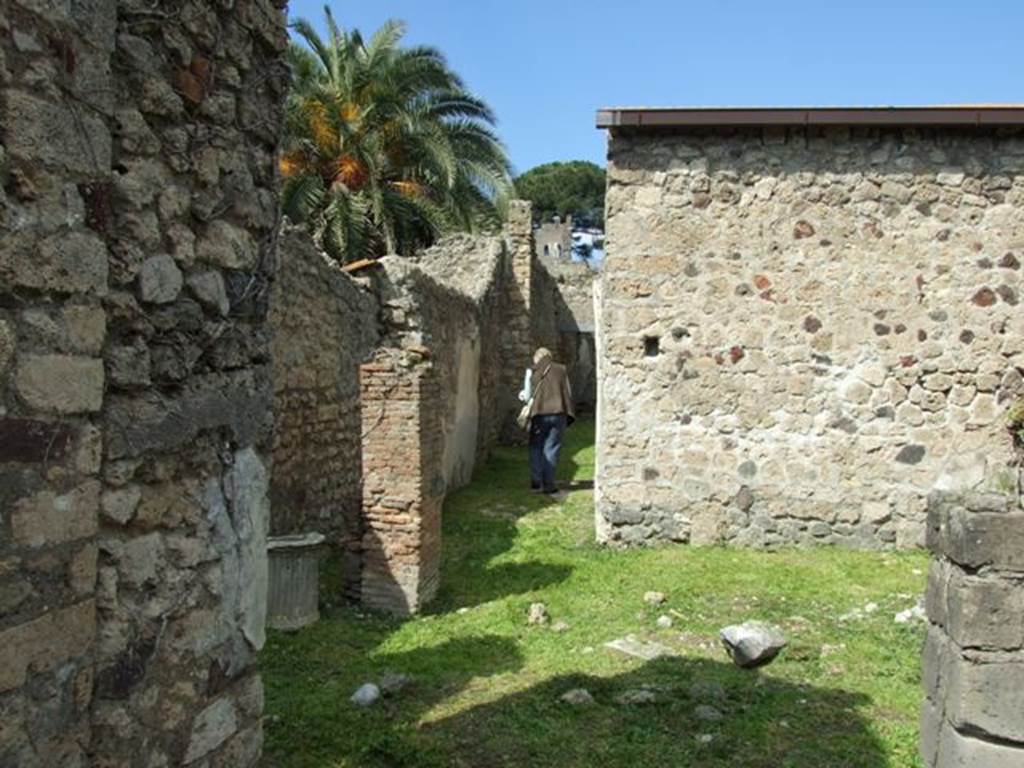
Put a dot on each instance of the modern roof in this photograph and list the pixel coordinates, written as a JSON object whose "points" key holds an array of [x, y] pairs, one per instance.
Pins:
{"points": [[671, 117]]}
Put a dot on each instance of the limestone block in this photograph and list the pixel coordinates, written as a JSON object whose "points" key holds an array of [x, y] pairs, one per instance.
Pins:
{"points": [[53, 638], [72, 262], [48, 518], [47, 132], [76, 329], [60, 383]]}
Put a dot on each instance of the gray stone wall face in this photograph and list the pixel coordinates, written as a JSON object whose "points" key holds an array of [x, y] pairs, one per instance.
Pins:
{"points": [[325, 326], [803, 332], [138, 206], [974, 652]]}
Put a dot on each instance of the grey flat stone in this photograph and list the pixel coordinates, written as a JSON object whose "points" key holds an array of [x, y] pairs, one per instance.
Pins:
{"points": [[648, 651]]}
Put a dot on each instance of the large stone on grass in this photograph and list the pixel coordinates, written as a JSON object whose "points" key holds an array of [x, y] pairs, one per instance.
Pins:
{"points": [[366, 695], [753, 643]]}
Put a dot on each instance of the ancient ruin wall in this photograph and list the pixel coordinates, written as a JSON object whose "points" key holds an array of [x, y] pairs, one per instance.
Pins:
{"points": [[139, 205], [974, 653], [805, 331], [429, 413], [325, 326]]}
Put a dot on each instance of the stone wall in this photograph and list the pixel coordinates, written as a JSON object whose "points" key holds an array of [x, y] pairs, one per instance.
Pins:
{"points": [[804, 331], [435, 399], [325, 326], [139, 206], [562, 313], [974, 653]]}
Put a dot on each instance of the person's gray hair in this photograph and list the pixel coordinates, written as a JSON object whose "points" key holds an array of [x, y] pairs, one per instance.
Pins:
{"points": [[540, 354]]}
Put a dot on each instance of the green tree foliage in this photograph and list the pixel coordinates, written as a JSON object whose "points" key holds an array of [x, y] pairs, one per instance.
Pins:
{"points": [[384, 148], [574, 188]]}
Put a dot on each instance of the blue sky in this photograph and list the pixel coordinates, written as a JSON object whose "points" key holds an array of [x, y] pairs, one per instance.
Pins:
{"points": [[545, 67]]}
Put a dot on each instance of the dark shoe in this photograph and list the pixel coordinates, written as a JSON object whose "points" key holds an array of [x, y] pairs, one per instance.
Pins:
{"points": [[535, 488]]}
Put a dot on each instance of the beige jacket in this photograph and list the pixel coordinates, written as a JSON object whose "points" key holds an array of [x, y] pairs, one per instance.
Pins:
{"points": [[551, 393]]}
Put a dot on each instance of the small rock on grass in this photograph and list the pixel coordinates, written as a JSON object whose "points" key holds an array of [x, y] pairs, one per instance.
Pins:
{"points": [[578, 697], [708, 714], [538, 614], [911, 615], [664, 622], [560, 626], [636, 697], [366, 695], [392, 683], [753, 643], [655, 598]]}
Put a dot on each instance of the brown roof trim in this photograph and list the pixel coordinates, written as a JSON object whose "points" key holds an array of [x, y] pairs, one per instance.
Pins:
{"points": [[648, 117]]}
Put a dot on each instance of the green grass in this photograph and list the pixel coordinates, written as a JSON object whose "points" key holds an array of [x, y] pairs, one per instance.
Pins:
{"points": [[486, 686]]}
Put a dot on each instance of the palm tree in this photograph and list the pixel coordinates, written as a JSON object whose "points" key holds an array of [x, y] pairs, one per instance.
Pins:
{"points": [[384, 147]]}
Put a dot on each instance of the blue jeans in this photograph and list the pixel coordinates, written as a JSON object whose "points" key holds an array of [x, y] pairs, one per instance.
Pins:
{"points": [[546, 432]]}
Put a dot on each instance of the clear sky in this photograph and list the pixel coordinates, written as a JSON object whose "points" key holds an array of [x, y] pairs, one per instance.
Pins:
{"points": [[546, 66]]}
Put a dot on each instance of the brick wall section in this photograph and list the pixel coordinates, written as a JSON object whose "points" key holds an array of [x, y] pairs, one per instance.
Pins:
{"points": [[139, 206], [436, 397], [401, 494], [325, 325], [974, 652], [804, 331]]}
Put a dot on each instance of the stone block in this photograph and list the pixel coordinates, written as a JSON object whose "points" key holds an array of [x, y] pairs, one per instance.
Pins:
{"points": [[53, 638], [60, 383], [160, 280], [977, 530], [56, 135], [985, 611], [208, 288], [72, 262], [49, 518], [984, 693], [211, 728], [956, 750]]}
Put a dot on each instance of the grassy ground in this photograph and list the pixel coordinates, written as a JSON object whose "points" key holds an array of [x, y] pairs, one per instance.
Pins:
{"points": [[486, 686]]}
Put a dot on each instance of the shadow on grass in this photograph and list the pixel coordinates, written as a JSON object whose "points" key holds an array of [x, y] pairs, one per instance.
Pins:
{"points": [[480, 524], [765, 723], [314, 723]]}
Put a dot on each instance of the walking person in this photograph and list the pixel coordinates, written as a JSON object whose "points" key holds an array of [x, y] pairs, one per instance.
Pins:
{"points": [[547, 392]]}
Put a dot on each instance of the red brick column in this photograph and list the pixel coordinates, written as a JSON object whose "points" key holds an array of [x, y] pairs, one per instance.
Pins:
{"points": [[403, 487]]}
